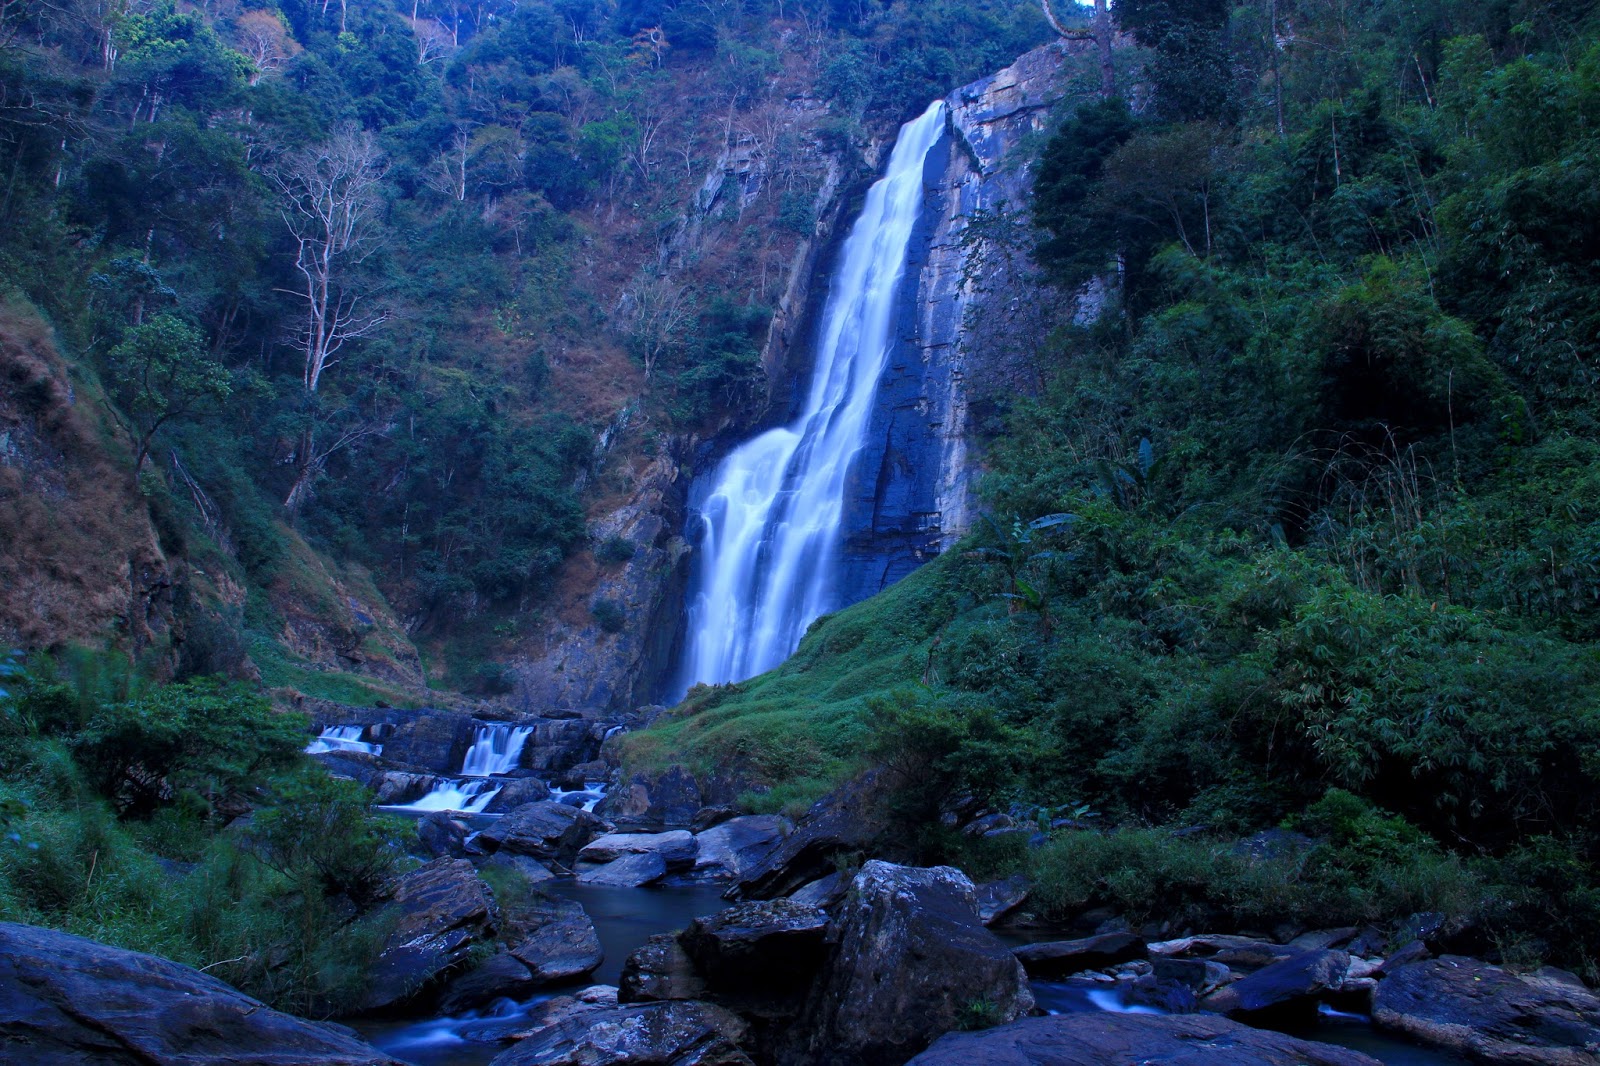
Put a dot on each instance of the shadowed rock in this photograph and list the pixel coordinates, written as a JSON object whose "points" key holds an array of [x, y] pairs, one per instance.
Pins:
{"points": [[911, 962], [444, 910], [1105, 1039], [659, 970], [1488, 1014], [1060, 958], [1295, 984], [65, 1001], [542, 830], [651, 1034]]}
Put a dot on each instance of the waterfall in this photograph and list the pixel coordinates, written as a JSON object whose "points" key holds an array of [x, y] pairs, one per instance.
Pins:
{"points": [[772, 508], [343, 738], [495, 750]]}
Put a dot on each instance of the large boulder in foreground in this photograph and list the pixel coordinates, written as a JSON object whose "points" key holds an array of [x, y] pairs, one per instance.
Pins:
{"points": [[65, 1000], [545, 830], [1490, 1015], [653, 1034], [911, 962], [1102, 1039], [444, 911]]}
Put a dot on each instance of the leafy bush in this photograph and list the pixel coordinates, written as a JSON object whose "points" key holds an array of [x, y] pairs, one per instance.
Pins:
{"points": [[609, 615]]}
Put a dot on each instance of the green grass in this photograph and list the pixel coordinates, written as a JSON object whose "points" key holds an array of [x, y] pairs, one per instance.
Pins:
{"points": [[803, 727], [281, 669]]}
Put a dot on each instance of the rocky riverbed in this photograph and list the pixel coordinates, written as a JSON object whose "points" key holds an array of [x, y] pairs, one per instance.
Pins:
{"points": [[564, 929]]}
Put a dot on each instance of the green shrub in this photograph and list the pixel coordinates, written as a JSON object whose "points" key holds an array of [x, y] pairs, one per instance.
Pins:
{"points": [[609, 615], [615, 550]]}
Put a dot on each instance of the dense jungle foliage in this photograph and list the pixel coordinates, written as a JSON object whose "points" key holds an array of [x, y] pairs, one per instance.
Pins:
{"points": [[394, 277], [121, 805], [1303, 533]]}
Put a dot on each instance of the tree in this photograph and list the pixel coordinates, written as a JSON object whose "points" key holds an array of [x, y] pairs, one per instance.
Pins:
{"points": [[331, 198], [160, 372], [265, 42], [1102, 31]]}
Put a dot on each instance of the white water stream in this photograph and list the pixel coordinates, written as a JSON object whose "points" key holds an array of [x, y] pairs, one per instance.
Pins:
{"points": [[772, 508]]}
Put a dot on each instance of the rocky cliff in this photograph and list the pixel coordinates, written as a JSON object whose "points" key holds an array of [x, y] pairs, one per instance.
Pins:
{"points": [[966, 329]]}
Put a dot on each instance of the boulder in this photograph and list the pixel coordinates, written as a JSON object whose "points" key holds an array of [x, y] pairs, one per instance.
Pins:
{"points": [[554, 938], [1198, 975], [630, 871], [1240, 953], [530, 870], [669, 799], [650, 1034], [1295, 984], [1100, 1039], [543, 830], [501, 976], [760, 956], [442, 836], [1061, 958], [659, 970], [1318, 939], [517, 792], [1000, 898], [676, 848], [707, 817], [825, 892], [432, 740], [65, 1001], [1490, 1015], [911, 961], [843, 821], [443, 910], [729, 848]]}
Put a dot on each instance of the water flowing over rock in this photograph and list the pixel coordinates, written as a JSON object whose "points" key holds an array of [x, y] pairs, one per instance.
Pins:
{"points": [[1100, 1039], [65, 1001], [911, 958], [771, 512]]}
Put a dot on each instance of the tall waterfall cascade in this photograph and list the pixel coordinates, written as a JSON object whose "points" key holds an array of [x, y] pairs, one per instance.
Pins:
{"points": [[772, 509]]}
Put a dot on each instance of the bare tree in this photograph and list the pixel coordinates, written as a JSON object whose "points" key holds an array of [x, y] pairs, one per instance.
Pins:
{"points": [[653, 315], [330, 206]]}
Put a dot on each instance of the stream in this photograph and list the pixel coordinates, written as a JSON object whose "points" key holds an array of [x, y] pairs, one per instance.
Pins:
{"points": [[626, 917]]}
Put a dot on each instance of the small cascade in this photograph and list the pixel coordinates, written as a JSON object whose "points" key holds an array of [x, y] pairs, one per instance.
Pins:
{"points": [[452, 794], [343, 738], [588, 797], [771, 511], [497, 749]]}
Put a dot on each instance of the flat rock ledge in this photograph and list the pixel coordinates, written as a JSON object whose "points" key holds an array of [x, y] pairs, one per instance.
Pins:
{"points": [[1102, 1039]]}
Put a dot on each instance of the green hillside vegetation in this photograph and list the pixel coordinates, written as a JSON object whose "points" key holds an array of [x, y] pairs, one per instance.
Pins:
{"points": [[380, 276], [120, 820], [1304, 532]]}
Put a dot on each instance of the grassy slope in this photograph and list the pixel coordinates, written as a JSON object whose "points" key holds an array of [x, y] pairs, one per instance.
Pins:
{"points": [[801, 727]]}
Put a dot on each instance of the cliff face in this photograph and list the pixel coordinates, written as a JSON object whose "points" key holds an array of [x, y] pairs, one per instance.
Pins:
{"points": [[972, 311], [79, 558], [966, 334]]}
